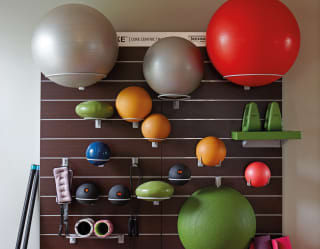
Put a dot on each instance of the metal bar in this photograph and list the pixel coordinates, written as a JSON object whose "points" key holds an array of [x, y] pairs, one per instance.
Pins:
{"points": [[30, 211], [25, 207]]}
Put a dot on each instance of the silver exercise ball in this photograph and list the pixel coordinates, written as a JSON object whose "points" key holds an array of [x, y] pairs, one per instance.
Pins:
{"points": [[75, 45], [173, 67]]}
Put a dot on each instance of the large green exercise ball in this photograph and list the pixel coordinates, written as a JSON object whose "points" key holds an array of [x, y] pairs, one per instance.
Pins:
{"points": [[216, 218]]}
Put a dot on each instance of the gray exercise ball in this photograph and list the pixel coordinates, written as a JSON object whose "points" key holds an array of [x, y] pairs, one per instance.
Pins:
{"points": [[75, 45], [173, 67]]}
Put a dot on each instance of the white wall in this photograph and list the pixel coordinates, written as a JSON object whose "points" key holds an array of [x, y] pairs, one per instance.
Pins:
{"points": [[20, 98]]}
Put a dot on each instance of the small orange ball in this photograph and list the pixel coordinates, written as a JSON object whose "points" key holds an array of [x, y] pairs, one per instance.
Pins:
{"points": [[211, 151], [156, 127], [133, 104]]}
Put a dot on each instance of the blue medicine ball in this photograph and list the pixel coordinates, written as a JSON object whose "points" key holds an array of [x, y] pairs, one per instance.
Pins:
{"points": [[98, 153]]}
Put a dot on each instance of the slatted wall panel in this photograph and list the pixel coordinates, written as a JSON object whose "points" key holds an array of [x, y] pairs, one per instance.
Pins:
{"points": [[216, 109]]}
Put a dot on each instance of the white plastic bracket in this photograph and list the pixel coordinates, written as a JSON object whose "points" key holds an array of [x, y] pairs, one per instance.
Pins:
{"points": [[135, 162], [219, 164], [155, 145], [135, 125], [97, 123], [81, 88], [246, 88], [156, 203], [176, 105], [200, 164], [218, 181], [65, 162]]}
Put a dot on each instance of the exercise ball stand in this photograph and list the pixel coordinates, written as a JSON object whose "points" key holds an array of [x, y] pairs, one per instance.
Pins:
{"points": [[175, 98]]}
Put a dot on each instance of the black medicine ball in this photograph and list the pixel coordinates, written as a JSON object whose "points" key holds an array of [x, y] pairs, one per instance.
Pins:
{"points": [[179, 174], [119, 195], [87, 193]]}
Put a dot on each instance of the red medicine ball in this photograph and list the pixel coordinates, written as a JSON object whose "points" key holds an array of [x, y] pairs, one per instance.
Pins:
{"points": [[257, 174], [253, 42]]}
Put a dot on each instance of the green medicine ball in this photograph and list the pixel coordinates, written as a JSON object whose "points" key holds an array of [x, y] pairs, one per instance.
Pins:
{"points": [[216, 218]]}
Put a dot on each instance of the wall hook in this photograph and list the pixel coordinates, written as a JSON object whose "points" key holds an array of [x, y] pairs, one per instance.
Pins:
{"points": [[218, 181], [200, 163], [135, 162]]}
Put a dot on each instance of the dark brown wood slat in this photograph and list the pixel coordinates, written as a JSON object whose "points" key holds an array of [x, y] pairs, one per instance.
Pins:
{"points": [[101, 90], [188, 109], [147, 224], [152, 167], [104, 184], [207, 90], [261, 205], [53, 242], [230, 167], [121, 129], [49, 206], [77, 148], [115, 167], [274, 188], [133, 71], [265, 224], [172, 242], [184, 148], [209, 109], [146, 242], [66, 109], [142, 147], [137, 53], [100, 243]]}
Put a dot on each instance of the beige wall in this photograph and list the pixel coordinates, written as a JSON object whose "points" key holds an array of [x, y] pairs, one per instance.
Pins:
{"points": [[19, 124]]}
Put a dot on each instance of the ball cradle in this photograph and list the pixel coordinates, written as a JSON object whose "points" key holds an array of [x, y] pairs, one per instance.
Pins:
{"points": [[75, 45], [253, 43], [216, 218]]}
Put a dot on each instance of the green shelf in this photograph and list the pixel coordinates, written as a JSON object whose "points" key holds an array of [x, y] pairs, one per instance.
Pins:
{"points": [[265, 135]]}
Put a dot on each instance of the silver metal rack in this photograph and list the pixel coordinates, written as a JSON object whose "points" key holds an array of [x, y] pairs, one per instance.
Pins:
{"points": [[73, 238]]}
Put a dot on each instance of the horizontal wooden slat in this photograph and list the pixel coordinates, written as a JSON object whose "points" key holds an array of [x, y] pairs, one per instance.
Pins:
{"points": [[152, 167], [134, 71], [261, 205], [140, 148], [50, 224], [274, 188], [152, 224], [207, 90], [121, 129], [188, 109]]}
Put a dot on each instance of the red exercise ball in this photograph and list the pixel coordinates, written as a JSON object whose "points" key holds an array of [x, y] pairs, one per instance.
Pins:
{"points": [[253, 42], [257, 174]]}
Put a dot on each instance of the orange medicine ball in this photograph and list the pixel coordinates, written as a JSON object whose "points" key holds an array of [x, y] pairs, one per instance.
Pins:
{"points": [[133, 103], [211, 151], [156, 127]]}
